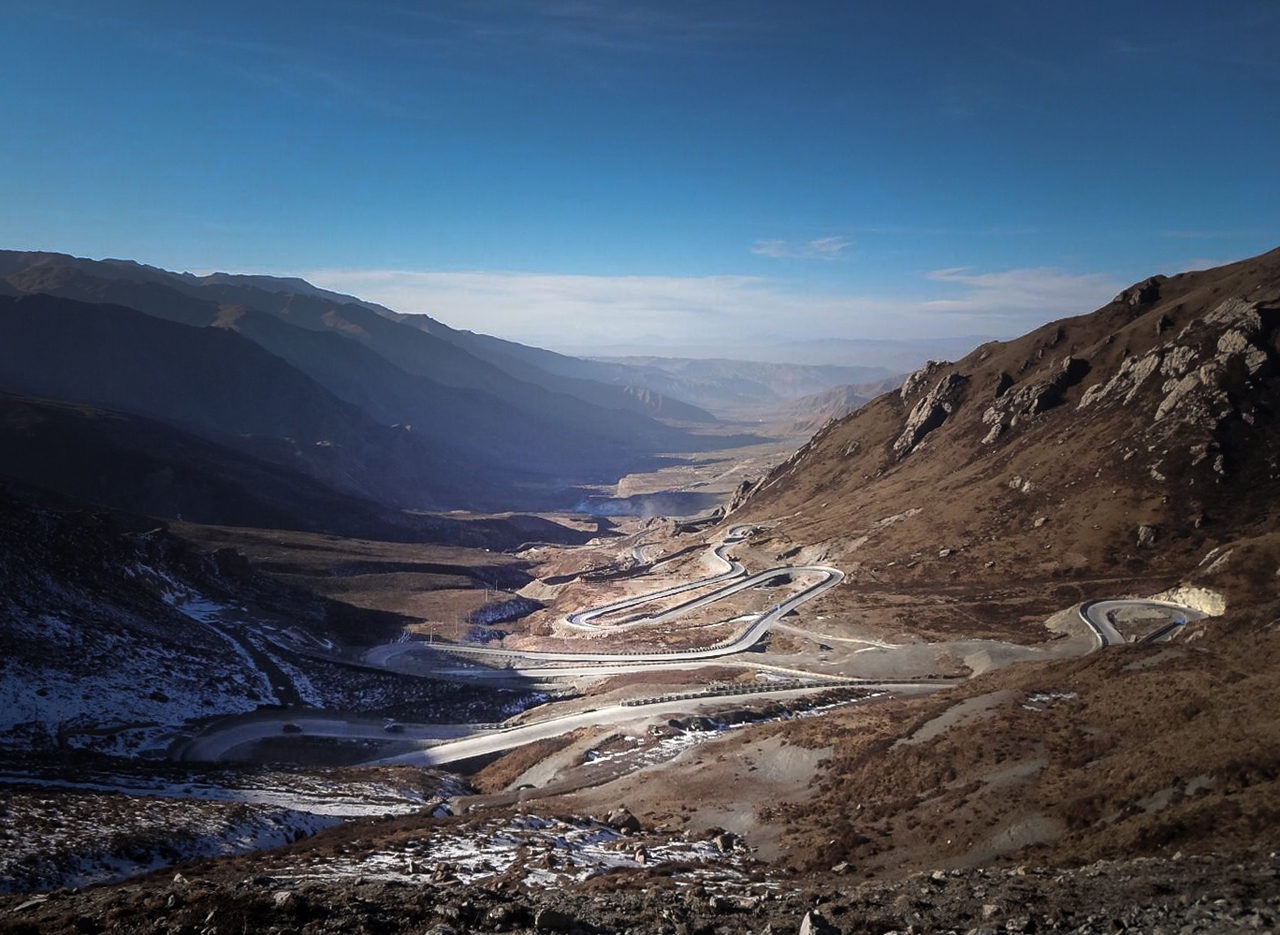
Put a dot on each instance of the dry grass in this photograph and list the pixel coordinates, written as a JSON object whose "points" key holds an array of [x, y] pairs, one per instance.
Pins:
{"points": [[499, 774], [1143, 750]]}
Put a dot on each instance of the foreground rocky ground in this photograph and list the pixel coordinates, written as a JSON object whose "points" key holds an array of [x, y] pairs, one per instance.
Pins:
{"points": [[1211, 893]]}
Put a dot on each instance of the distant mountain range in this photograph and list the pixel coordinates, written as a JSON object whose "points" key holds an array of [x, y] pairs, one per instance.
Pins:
{"points": [[742, 389], [891, 355], [802, 417], [245, 378]]}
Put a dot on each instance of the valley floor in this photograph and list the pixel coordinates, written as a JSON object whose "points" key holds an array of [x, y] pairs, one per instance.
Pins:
{"points": [[661, 593]]}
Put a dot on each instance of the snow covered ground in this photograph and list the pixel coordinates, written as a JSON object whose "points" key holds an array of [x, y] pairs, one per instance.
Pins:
{"points": [[104, 826], [112, 691], [543, 852], [56, 840]]}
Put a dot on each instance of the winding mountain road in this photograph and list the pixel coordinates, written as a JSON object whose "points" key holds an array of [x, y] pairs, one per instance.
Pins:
{"points": [[1099, 616], [734, 535], [509, 738], [442, 744], [735, 574]]}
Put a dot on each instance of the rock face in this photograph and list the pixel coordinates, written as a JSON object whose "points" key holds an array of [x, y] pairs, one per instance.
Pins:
{"points": [[1143, 293], [917, 381], [1125, 383], [743, 491], [1021, 404], [930, 412], [814, 924], [1223, 352]]}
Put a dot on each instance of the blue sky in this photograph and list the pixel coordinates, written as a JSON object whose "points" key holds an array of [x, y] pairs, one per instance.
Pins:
{"points": [[582, 173]]}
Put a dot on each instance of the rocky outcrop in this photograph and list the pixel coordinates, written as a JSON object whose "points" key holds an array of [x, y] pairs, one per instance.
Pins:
{"points": [[1143, 293], [1027, 401], [930, 412], [1125, 383], [1225, 345], [917, 381], [1200, 396], [1211, 603], [743, 491]]}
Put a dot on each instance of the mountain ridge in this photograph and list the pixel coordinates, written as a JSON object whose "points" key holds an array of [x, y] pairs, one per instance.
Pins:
{"points": [[1175, 379], [425, 424]]}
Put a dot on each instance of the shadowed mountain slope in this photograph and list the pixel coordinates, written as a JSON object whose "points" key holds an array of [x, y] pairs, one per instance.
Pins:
{"points": [[218, 384], [138, 465], [82, 456], [424, 423], [415, 343]]}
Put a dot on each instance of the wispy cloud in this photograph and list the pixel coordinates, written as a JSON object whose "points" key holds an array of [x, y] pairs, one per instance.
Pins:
{"points": [[1213, 234], [545, 308], [593, 25], [583, 311], [1022, 292], [280, 63], [823, 248]]}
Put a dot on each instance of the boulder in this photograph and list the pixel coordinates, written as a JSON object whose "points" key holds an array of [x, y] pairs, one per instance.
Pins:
{"points": [[733, 903], [1237, 342], [1175, 391], [1021, 484], [552, 920], [1177, 361], [620, 819], [725, 842], [814, 923]]}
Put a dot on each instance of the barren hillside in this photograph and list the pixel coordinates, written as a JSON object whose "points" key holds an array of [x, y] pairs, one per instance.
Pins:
{"points": [[1129, 441]]}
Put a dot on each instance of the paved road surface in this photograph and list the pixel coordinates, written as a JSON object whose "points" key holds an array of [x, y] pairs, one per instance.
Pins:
{"points": [[450, 743], [1099, 616], [510, 738]]}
